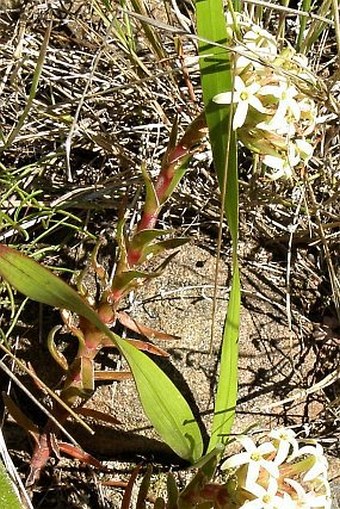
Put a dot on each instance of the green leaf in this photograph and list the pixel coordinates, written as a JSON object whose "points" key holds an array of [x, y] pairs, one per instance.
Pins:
{"points": [[178, 175], [144, 489], [151, 200], [172, 491], [163, 404], [8, 495], [226, 395], [167, 407], [144, 237], [216, 77], [164, 245]]}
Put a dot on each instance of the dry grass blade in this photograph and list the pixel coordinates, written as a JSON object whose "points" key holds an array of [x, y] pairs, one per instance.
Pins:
{"points": [[33, 90], [301, 394], [289, 10], [45, 388]]}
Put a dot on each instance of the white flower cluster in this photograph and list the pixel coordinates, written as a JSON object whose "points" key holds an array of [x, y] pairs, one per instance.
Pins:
{"points": [[278, 474], [274, 114]]}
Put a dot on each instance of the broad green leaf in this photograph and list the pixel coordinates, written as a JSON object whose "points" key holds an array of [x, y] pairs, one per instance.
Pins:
{"points": [[8, 496], [167, 407], [216, 77], [163, 404]]}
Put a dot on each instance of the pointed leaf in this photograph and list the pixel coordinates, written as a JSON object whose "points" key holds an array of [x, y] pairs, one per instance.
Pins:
{"points": [[164, 245], [79, 454], [148, 347], [144, 489], [172, 491], [163, 404], [126, 502], [144, 237], [217, 77], [172, 142], [97, 415], [176, 426], [151, 199], [116, 376], [39, 283], [148, 332], [56, 354]]}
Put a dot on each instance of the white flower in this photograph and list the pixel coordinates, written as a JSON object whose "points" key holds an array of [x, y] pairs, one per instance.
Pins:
{"points": [[287, 104], [243, 95], [255, 458], [250, 54], [311, 499], [284, 164], [303, 70], [268, 498], [320, 463], [285, 438], [261, 43]]}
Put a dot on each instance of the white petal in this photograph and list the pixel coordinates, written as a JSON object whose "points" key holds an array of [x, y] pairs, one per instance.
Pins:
{"points": [[317, 501], [282, 452], [305, 149], [283, 434], [252, 475], [277, 175], [274, 162], [253, 88], [242, 62], [314, 450], [290, 92], [272, 487], [265, 448], [297, 487], [295, 109], [270, 90], [271, 467], [225, 98], [256, 103], [293, 155], [320, 467], [240, 114], [239, 85], [247, 443], [286, 439], [236, 461], [253, 504]]}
